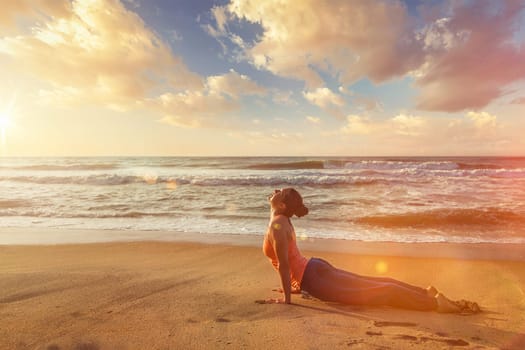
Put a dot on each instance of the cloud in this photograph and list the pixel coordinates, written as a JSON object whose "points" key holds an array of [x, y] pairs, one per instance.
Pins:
{"points": [[12, 11], [101, 53], [408, 125], [356, 124], [462, 55], [324, 97], [200, 108], [518, 100], [471, 58], [348, 39], [473, 132], [221, 18], [483, 119], [313, 120], [233, 84], [98, 52], [365, 103], [220, 32], [283, 97], [344, 90], [190, 108]]}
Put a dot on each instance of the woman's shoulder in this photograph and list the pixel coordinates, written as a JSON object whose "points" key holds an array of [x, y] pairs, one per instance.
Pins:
{"points": [[280, 224]]}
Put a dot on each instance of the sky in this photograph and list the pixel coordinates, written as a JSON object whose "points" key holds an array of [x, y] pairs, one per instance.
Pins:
{"points": [[262, 78]]}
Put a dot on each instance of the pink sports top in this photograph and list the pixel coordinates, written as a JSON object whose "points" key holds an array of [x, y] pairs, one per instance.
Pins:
{"points": [[296, 261]]}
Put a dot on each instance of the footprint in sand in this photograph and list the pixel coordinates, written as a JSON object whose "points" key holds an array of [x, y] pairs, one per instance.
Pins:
{"points": [[394, 324], [419, 340], [448, 341]]}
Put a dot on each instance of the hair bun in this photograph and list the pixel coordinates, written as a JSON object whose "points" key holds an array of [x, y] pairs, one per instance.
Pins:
{"points": [[301, 211]]}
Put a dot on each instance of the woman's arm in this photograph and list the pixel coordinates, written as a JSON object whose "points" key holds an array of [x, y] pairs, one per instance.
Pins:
{"points": [[280, 245]]}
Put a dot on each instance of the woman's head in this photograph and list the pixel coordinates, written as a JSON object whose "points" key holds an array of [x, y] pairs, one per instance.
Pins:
{"points": [[292, 201]]}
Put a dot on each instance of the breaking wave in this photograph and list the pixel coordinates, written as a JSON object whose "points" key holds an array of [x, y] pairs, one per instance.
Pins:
{"points": [[248, 180], [439, 218]]}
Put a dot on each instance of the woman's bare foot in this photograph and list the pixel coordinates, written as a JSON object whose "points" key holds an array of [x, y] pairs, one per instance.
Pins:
{"points": [[468, 307], [432, 291], [446, 305]]}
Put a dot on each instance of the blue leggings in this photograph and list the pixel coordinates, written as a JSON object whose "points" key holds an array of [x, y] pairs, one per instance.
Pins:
{"points": [[325, 282]]}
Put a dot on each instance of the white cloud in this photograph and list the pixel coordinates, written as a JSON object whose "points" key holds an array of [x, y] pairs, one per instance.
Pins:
{"points": [[365, 103], [221, 18], [483, 119], [408, 125], [191, 109], [97, 52], [470, 59], [463, 57], [324, 97], [201, 108], [31, 10], [346, 39], [345, 91], [474, 133], [233, 84], [356, 124], [100, 53], [313, 120], [438, 36]]}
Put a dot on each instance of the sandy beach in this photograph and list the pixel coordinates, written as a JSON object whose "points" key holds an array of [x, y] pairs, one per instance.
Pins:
{"points": [[201, 295]]}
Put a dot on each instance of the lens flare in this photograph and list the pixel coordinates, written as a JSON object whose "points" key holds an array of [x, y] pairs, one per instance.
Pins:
{"points": [[171, 184], [150, 179], [381, 267]]}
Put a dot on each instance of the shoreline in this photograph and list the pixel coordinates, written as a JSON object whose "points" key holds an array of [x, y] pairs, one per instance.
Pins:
{"points": [[464, 251]]}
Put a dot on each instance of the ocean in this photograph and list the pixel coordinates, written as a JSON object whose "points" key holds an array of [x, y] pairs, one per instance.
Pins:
{"points": [[400, 199]]}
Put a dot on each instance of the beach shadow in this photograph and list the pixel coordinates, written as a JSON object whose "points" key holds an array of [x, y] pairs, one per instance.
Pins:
{"points": [[28, 295], [339, 312], [77, 346], [86, 346]]}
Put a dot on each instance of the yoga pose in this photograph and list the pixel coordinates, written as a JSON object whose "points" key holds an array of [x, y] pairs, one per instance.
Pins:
{"points": [[323, 281]]}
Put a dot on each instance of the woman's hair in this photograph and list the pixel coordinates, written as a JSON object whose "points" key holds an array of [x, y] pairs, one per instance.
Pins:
{"points": [[294, 203]]}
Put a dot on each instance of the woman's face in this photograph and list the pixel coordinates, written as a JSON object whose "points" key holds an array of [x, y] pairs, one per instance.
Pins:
{"points": [[276, 199]]}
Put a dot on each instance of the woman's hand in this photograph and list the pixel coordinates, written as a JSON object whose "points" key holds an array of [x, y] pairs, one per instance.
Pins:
{"points": [[293, 290]]}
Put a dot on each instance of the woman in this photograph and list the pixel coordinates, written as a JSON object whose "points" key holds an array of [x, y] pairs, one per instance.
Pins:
{"points": [[323, 281]]}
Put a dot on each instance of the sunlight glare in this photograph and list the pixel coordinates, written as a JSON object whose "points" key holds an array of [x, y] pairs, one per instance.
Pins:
{"points": [[5, 122], [6, 115], [381, 267]]}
